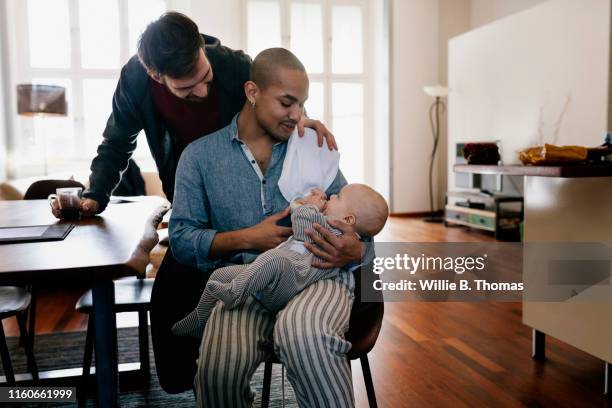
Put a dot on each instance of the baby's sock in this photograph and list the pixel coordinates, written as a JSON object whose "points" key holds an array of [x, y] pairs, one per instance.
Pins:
{"points": [[190, 326]]}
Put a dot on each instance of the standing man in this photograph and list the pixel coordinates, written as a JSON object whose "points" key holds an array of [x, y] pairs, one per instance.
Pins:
{"points": [[227, 212]]}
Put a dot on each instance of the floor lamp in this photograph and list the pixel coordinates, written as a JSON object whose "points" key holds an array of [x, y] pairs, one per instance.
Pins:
{"points": [[437, 107], [41, 100]]}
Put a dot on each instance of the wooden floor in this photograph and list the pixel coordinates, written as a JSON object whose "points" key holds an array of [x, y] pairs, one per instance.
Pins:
{"points": [[437, 354]]}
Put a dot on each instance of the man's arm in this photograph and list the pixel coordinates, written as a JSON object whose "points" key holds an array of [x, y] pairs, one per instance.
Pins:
{"points": [[190, 231], [119, 142], [261, 237]]}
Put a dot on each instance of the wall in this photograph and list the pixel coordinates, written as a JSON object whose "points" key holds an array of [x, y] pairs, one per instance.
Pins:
{"points": [[420, 33], [414, 63], [4, 109], [486, 11], [454, 19], [380, 169], [540, 76]]}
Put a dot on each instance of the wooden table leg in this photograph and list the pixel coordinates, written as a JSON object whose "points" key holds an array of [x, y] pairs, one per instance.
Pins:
{"points": [[105, 343]]}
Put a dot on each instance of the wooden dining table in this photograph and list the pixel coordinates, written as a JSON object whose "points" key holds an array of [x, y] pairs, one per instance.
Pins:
{"points": [[98, 250]]}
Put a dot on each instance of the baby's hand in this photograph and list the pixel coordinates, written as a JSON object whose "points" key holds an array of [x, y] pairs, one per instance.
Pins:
{"points": [[316, 198]]}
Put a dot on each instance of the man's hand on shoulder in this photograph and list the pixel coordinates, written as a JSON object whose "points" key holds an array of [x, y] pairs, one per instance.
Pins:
{"points": [[336, 251], [322, 132]]}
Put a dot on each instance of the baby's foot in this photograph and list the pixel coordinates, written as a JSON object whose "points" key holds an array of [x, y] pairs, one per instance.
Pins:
{"points": [[223, 292], [189, 326]]}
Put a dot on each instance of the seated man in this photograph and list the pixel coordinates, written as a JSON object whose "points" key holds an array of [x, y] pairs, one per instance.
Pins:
{"points": [[226, 184], [279, 274]]}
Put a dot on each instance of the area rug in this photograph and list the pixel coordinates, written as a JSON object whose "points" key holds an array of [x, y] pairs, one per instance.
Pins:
{"points": [[65, 350]]}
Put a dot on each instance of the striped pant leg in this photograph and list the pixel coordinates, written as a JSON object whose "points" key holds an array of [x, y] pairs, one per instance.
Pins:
{"points": [[309, 340], [229, 354]]}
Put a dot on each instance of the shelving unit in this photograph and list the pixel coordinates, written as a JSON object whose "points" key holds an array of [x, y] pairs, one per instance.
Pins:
{"points": [[502, 215]]}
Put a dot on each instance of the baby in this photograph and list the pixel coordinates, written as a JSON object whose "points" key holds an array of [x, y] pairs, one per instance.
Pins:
{"points": [[279, 274]]}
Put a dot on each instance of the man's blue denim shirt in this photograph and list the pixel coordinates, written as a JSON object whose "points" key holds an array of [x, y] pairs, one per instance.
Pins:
{"points": [[219, 187]]}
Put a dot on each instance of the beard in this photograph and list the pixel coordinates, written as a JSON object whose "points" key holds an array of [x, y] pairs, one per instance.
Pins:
{"points": [[276, 136], [200, 99], [276, 133]]}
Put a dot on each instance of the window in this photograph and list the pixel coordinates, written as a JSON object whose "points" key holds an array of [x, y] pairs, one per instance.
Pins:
{"points": [[81, 45], [329, 37]]}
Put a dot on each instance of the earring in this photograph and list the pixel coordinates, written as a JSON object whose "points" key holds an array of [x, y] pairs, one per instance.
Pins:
{"points": [[253, 104]]}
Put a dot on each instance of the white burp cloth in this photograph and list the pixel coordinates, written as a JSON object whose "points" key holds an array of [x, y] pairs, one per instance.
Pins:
{"points": [[307, 166]]}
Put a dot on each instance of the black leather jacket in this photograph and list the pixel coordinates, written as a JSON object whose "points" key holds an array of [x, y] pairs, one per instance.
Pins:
{"points": [[133, 111]]}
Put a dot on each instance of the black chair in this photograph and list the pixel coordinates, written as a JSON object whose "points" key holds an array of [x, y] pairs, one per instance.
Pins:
{"points": [[131, 295], [40, 190], [176, 291], [15, 301]]}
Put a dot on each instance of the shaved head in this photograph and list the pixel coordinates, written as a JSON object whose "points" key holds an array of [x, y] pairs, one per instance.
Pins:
{"points": [[265, 67], [276, 92]]}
